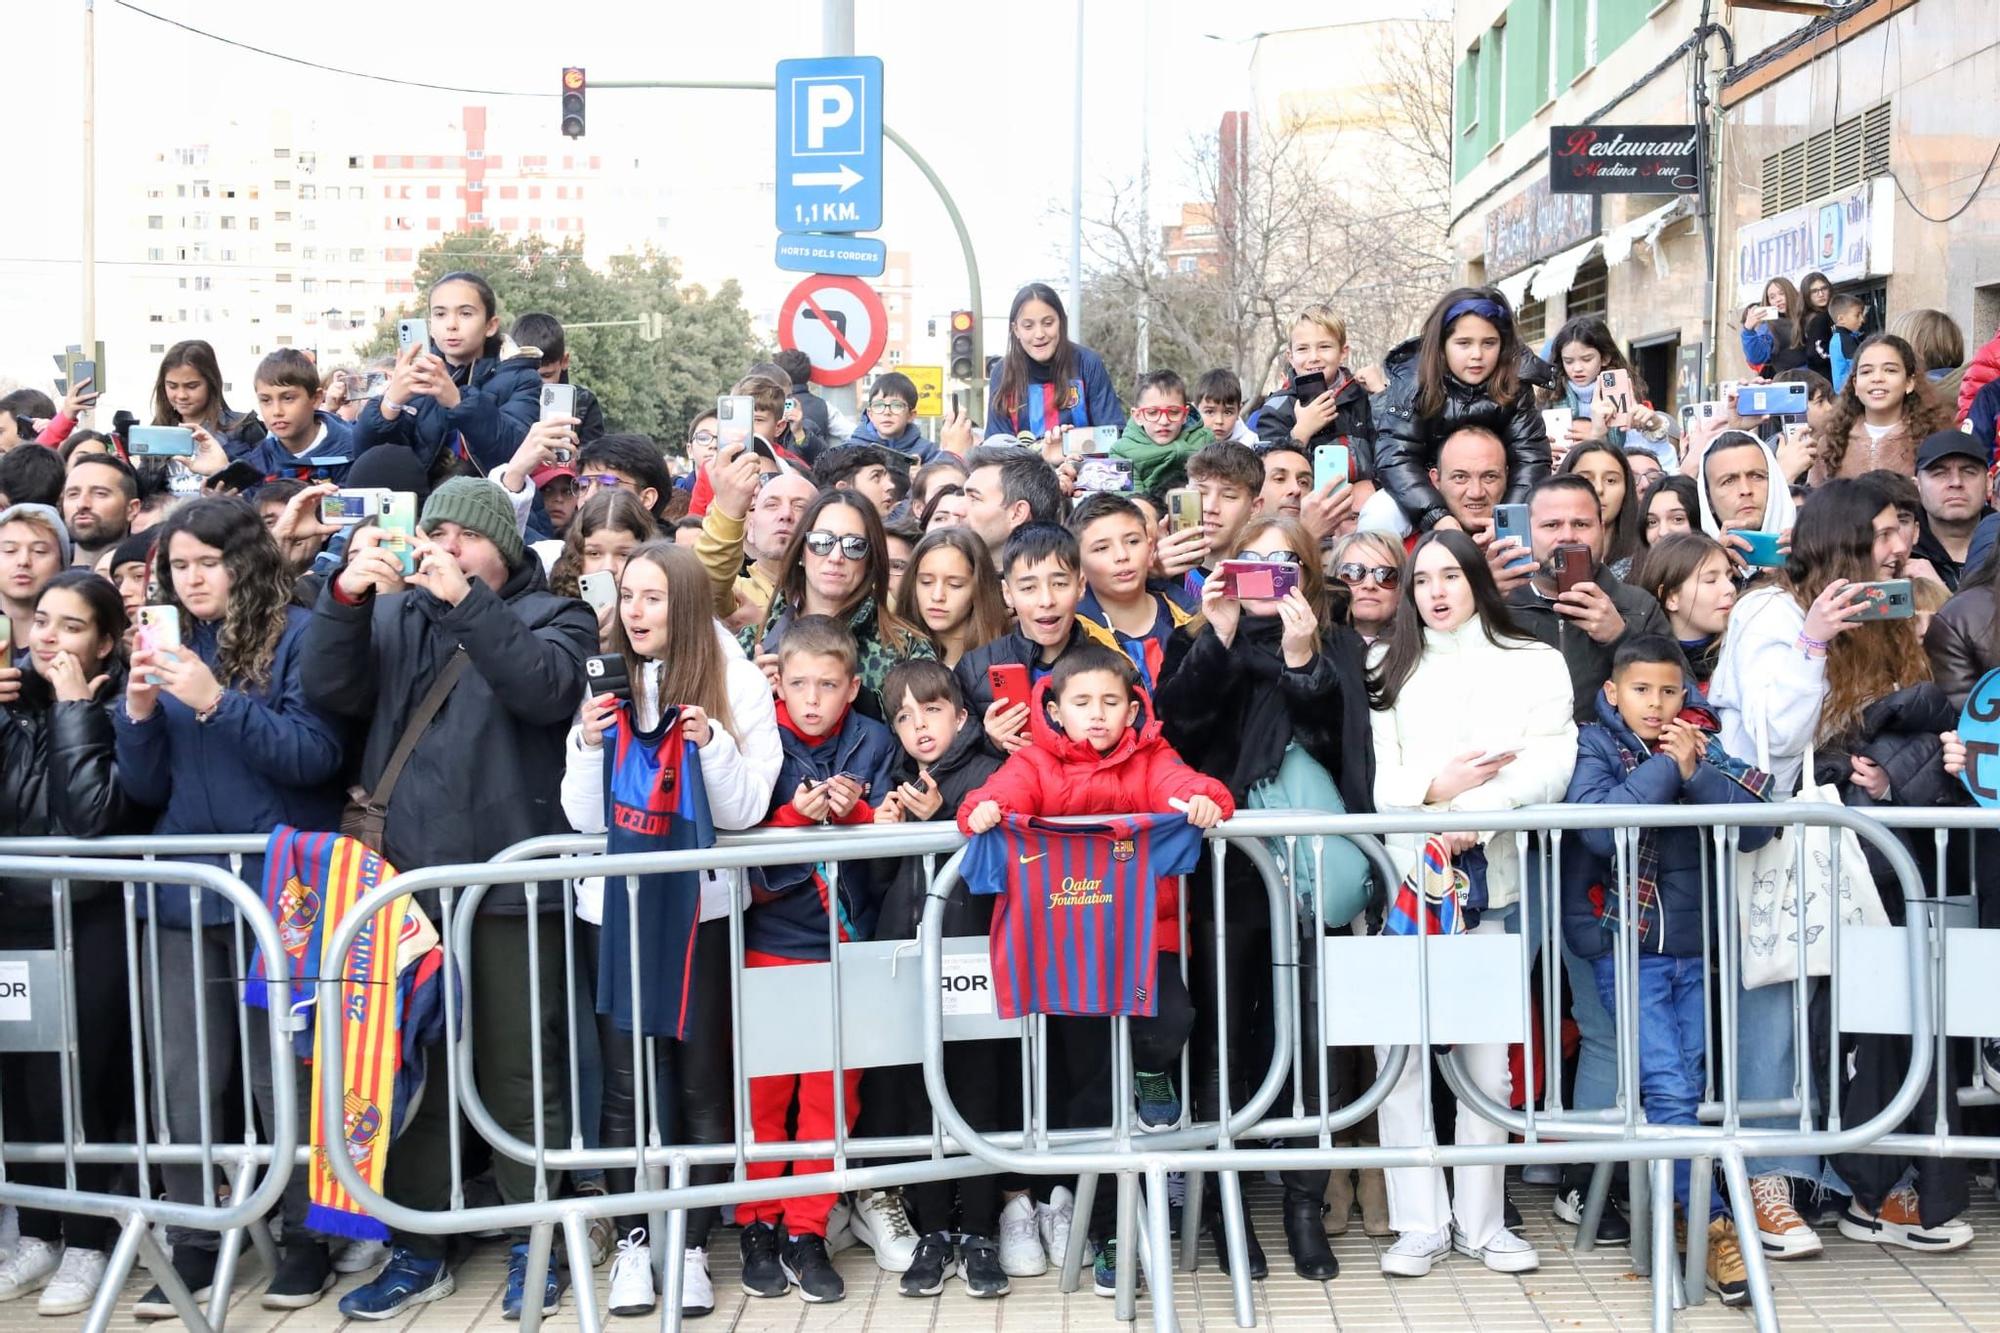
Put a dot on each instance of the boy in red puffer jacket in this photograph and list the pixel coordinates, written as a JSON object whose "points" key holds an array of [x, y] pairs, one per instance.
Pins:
{"points": [[1098, 751]]}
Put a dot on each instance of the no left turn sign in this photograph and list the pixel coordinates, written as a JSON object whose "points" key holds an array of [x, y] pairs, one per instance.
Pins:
{"points": [[840, 325]]}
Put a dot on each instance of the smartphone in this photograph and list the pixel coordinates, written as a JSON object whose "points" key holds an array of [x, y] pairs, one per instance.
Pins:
{"points": [[858, 781], [344, 506], [1771, 400], [398, 519], [1500, 753], [1307, 387], [1709, 413], [1095, 472], [1331, 463], [599, 588], [1890, 599], [604, 673], [558, 400], [412, 333], [159, 630], [1076, 443], [161, 441], [7, 637], [791, 406], [1102, 438], [1257, 580], [1009, 682], [1726, 391], [79, 371], [1512, 521], [369, 385], [1572, 564], [732, 419], [1763, 551], [1183, 509], [1556, 422], [1614, 391]]}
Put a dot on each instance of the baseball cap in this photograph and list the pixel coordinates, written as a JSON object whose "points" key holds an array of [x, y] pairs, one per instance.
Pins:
{"points": [[542, 476], [1943, 444]]}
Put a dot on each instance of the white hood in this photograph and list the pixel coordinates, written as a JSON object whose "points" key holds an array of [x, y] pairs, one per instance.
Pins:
{"points": [[1780, 513]]}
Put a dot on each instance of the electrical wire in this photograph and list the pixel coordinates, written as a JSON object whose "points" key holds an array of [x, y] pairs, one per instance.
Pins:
{"points": [[314, 64]]}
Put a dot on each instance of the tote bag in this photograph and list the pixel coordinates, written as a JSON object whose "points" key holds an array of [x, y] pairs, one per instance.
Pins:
{"points": [[1774, 903]]}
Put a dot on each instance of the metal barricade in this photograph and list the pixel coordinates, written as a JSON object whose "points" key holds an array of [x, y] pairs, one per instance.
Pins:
{"points": [[257, 1172], [891, 968]]}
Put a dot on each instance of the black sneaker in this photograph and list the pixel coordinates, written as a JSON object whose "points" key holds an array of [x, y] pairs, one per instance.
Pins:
{"points": [[930, 1267], [763, 1274], [303, 1276], [1510, 1215], [1612, 1228], [194, 1267], [807, 1263], [979, 1268]]}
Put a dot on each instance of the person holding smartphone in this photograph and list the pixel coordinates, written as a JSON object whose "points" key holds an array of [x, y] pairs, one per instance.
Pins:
{"points": [[187, 391], [1046, 385], [606, 532], [217, 733], [1585, 349], [1322, 402]]}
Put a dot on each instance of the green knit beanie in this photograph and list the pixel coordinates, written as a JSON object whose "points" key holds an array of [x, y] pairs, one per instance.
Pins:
{"points": [[482, 507]]}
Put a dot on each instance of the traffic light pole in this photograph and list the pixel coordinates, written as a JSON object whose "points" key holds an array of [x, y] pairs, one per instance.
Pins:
{"points": [[976, 401]]}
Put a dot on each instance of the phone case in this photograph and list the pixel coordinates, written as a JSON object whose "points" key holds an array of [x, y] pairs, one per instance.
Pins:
{"points": [[1009, 682], [558, 400], [1256, 581], [599, 589], [1332, 462]]}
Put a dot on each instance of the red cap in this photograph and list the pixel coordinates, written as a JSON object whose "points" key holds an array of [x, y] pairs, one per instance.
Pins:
{"points": [[542, 476]]}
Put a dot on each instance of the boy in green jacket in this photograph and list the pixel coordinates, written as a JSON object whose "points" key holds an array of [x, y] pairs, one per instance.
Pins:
{"points": [[1161, 435]]}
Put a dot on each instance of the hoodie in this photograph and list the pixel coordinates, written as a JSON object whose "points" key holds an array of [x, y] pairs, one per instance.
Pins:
{"points": [[1780, 512]]}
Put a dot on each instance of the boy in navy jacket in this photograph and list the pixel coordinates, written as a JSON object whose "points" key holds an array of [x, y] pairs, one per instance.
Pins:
{"points": [[305, 443], [1653, 744], [836, 763]]}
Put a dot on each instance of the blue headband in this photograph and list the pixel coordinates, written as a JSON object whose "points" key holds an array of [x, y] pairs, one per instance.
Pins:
{"points": [[1491, 311]]}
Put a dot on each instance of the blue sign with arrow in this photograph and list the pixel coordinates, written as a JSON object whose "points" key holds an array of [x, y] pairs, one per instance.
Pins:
{"points": [[830, 144]]}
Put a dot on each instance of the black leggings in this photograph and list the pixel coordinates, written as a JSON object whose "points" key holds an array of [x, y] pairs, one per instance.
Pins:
{"points": [[696, 1101], [894, 1102]]}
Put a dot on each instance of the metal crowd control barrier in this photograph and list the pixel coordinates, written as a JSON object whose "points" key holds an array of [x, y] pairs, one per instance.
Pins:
{"points": [[886, 971], [1448, 999], [257, 1173]]}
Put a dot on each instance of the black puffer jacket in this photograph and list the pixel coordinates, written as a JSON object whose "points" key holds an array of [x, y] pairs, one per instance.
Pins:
{"points": [[1406, 445], [1900, 732], [61, 781], [488, 771], [1352, 424], [963, 770]]}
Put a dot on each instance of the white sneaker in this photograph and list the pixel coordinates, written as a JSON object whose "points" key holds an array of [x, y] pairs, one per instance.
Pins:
{"points": [[632, 1277], [34, 1262], [75, 1284], [360, 1256], [1415, 1251], [1505, 1252], [1021, 1253], [697, 1290], [840, 1227], [1054, 1219], [880, 1222]]}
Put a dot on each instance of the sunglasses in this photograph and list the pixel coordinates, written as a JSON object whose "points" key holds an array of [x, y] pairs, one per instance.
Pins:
{"points": [[852, 545], [1386, 575], [1270, 557], [1161, 414]]}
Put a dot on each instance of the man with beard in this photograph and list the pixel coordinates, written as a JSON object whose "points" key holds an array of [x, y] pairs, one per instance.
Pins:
{"points": [[99, 501]]}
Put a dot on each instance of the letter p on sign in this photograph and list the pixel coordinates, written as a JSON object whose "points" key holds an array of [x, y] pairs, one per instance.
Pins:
{"points": [[828, 119]]}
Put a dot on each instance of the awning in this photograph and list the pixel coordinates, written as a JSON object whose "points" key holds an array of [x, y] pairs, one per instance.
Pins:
{"points": [[1515, 287], [1619, 240], [1559, 272]]}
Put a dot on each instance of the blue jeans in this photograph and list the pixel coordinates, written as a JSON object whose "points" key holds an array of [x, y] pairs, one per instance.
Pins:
{"points": [[1597, 1041], [1673, 1037], [1765, 1048]]}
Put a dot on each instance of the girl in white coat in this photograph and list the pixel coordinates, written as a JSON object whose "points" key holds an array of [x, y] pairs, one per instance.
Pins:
{"points": [[1469, 714], [677, 656]]}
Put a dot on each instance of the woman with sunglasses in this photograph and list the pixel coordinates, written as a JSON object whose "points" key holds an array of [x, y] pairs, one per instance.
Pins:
{"points": [[1268, 696], [1369, 565], [838, 565]]}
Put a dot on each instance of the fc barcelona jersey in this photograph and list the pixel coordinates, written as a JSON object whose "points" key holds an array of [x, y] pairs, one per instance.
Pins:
{"points": [[1074, 930]]}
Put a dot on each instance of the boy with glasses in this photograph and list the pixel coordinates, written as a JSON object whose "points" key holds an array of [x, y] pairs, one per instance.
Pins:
{"points": [[1162, 435], [624, 462], [891, 423]]}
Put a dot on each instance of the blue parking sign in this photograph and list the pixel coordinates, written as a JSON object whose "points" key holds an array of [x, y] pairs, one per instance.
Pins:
{"points": [[830, 144]]}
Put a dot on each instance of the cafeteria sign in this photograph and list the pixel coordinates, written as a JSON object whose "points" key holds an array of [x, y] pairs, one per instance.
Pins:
{"points": [[1624, 159]]}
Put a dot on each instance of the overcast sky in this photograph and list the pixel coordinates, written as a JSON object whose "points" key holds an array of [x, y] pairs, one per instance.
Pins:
{"points": [[983, 91]]}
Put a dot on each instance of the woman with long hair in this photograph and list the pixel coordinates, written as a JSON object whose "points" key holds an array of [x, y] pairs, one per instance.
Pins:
{"points": [[1940, 347], [1773, 332], [1692, 578], [1609, 473], [1271, 698], [1585, 349], [838, 565], [602, 536], [1815, 323], [1047, 384], [187, 391], [688, 683], [464, 397], [1464, 369], [215, 733], [952, 591], [1672, 504], [1470, 714], [1886, 410], [56, 749]]}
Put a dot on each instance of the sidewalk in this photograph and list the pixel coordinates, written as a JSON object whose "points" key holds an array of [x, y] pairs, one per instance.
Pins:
{"points": [[1852, 1287]]}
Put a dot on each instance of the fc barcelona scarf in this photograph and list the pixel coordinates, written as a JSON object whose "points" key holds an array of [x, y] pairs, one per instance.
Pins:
{"points": [[656, 800], [311, 880]]}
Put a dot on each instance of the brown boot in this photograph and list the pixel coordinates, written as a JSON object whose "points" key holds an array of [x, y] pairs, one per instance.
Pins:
{"points": [[1339, 1201], [1374, 1193]]}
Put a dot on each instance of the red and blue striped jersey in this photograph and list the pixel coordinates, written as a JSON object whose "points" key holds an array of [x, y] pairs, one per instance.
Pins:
{"points": [[1074, 930]]}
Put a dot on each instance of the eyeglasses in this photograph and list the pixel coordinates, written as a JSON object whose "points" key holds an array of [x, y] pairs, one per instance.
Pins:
{"points": [[1163, 415], [1270, 557], [704, 437], [603, 481], [889, 405], [852, 545], [1386, 575]]}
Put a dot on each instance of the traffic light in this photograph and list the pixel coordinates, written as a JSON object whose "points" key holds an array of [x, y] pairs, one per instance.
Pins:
{"points": [[572, 102], [961, 345]]}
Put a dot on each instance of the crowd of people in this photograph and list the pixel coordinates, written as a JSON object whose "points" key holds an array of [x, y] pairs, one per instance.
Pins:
{"points": [[1494, 576]]}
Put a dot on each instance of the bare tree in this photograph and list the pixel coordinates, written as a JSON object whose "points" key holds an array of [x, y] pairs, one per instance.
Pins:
{"points": [[1298, 217]]}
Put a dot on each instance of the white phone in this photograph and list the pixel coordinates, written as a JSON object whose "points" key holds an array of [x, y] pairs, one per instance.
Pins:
{"points": [[1492, 756], [599, 588]]}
